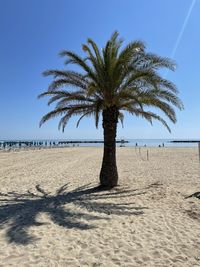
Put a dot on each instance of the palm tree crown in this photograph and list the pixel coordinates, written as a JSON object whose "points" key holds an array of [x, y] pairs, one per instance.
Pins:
{"points": [[125, 78]]}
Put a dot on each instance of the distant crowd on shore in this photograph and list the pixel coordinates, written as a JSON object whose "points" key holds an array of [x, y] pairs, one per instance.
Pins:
{"points": [[163, 145], [26, 145]]}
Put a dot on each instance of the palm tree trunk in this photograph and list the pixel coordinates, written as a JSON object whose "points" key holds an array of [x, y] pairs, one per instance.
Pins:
{"points": [[108, 174]]}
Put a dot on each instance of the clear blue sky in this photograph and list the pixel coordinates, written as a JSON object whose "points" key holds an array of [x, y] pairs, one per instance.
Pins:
{"points": [[33, 32]]}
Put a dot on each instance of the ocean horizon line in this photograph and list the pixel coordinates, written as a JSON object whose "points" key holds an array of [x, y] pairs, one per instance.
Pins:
{"points": [[93, 139]]}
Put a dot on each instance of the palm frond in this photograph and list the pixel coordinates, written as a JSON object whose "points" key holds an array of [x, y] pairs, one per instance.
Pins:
{"points": [[156, 62], [52, 114], [121, 118], [84, 115], [80, 62], [96, 51], [148, 115]]}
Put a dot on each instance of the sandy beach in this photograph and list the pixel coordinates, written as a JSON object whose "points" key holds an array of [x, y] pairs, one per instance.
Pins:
{"points": [[51, 214]]}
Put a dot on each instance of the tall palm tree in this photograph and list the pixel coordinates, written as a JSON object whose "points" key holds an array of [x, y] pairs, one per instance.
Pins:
{"points": [[112, 81]]}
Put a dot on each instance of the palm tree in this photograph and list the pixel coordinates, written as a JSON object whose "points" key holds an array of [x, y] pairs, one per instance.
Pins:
{"points": [[112, 81]]}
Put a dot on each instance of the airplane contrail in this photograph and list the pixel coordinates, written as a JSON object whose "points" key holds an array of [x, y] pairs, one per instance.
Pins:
{"points": [[182, 29]]}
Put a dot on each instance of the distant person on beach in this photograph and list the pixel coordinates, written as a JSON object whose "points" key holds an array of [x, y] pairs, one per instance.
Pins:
{"points": [[136, 144]]}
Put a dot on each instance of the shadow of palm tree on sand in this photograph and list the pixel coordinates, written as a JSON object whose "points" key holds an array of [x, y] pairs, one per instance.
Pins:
{"points": [[18, 212]]}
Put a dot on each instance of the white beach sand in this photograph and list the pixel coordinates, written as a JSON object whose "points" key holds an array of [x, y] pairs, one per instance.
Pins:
{"points": [[146, 221]]}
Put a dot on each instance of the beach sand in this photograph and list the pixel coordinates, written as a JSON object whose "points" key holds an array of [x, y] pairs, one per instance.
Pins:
{"points": [[146, 221]]}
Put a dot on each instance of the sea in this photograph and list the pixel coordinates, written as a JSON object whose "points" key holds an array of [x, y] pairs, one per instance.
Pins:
{"points": [[131, 142]]}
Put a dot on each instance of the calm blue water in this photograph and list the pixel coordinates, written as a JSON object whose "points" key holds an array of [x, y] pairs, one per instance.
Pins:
{"points": [[159, 142], [132, 142]]}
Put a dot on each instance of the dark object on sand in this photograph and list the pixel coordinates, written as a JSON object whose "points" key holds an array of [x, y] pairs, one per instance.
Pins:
{"points": [[197, 195]]}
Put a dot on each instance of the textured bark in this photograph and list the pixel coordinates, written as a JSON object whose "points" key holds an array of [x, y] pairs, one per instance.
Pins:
{"points": [[108, 174]]}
